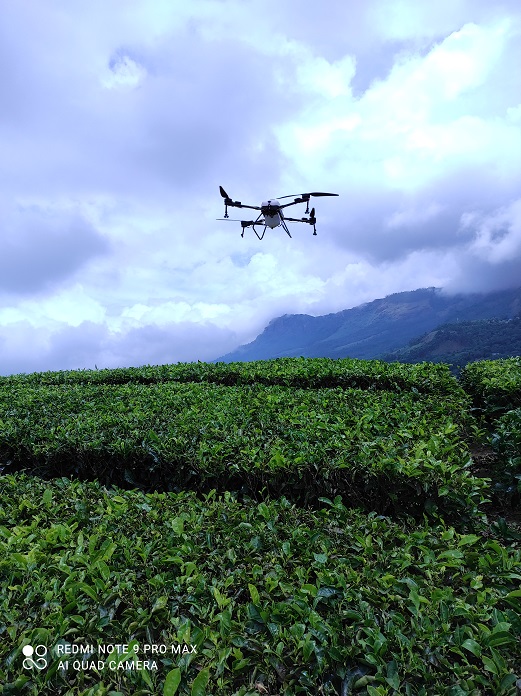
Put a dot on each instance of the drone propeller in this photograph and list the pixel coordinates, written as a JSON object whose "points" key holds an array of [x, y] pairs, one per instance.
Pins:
{"points": [[246, 222], [304, 195], [223, 192]]}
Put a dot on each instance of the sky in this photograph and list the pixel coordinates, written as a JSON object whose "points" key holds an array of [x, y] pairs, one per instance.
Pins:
{"points": [[120, 120]]}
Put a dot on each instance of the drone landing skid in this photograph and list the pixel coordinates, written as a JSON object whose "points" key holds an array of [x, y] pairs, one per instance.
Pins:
{"points": [[284, 227], [261, 236]]}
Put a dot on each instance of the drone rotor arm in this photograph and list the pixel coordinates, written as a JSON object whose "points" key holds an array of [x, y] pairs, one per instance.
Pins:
{"points": [[229, 203], [238, 204], [297, 200], [311, 220]]}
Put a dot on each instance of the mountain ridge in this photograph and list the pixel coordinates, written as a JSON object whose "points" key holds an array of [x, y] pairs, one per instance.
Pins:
{"points": [[464, 342], [376, 328]]}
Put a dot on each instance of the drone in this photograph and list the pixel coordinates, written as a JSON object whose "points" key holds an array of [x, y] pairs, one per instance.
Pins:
{"points": [[271, 214]]}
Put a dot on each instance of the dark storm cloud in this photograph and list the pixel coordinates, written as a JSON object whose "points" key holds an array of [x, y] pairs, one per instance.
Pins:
{"points": [[40, 249]]}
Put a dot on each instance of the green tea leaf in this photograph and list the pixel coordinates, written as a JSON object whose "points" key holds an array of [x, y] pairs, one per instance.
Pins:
{"points": [[178, 525], [451, 553], [254, 594], [222, 600], [393, 678], [468, 540], [472, 646], [160, 603], [200, 683], [489, 665], [172, 681], [86, 589]]}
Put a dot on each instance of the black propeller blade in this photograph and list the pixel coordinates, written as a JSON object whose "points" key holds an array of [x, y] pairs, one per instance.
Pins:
{"points": [[223, 192], [303, 195]]}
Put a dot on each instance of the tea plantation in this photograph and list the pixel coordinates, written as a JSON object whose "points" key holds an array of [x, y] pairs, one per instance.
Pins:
{"points": [[296, 526]]}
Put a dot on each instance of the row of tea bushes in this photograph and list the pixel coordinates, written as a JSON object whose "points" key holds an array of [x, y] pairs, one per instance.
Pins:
{"points": [[275, 599], [290, 372], [495, 389], [507, 440], [494, 385], [380, 450]]}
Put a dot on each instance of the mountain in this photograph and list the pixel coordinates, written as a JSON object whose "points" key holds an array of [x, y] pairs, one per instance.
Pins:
{"points": [[464, 342], [375, 328]]}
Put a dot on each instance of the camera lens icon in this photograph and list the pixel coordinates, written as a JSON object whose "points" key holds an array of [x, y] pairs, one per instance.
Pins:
{"points": [[40, 652]]}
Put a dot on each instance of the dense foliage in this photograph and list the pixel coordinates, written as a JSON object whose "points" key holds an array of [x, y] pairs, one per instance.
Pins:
{"points": [[289, 372], [462, 342], [507, 439], [274, 598], [305, 527], [495, 389], [494, 385], [381, 450]]}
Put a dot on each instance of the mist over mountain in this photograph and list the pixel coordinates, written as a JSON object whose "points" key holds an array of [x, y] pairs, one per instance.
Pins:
{"points": [[378, 328]]}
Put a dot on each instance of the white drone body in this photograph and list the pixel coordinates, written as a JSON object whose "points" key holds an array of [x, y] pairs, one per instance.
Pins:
{"points": [[271, 211]]}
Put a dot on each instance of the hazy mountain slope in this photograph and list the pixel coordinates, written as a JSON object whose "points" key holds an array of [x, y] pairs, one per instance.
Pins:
{"points": [[374, 328], [464, 342]]}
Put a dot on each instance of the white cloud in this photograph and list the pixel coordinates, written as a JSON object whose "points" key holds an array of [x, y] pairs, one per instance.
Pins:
{"points": [[123, 72], [498, 235], [71, 306], [120, 121], [411, 217]]}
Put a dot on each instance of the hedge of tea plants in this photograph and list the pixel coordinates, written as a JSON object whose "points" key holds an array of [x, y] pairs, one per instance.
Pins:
{"points": [[494, 385], [381, 450], [495, 389], [290, 372], [264, 597], [507, 439], [387, 583]]}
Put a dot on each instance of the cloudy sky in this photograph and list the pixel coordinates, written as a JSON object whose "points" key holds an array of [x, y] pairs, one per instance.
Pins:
{"points": [[119, 120]]}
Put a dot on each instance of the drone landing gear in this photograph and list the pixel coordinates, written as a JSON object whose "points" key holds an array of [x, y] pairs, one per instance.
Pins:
{"points": [[285, 227], [251, 223], [260, 236]]}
